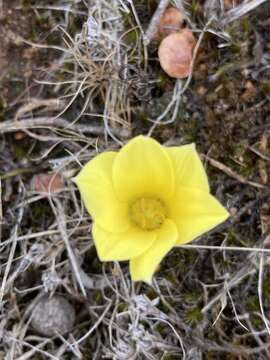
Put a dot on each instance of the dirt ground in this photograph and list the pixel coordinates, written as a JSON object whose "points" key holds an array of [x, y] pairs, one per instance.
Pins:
{"points": [[76, 79]]}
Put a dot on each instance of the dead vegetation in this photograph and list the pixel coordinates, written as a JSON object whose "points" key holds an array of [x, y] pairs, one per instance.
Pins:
{"points": [[93, 82]]}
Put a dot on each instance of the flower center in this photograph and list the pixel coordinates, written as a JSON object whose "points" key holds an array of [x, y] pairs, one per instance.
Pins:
{"points": [[148, 213]]}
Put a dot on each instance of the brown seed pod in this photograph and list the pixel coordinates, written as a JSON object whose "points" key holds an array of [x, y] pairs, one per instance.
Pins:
{"points": [[19, 135], [228, 4], [175, 53], [170, 22], [189, 36], [53, 315], [48, 183]]}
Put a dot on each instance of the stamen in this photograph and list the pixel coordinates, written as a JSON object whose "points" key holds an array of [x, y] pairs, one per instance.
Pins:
{"points": [[148, 213]]}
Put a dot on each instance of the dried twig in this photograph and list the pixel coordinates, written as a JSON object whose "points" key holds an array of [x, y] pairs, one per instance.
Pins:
{"points": [[234, 280], [14, 239], [33, 104], [59, 213], [241, 10], [9, 126], [152, 28], [232, 173], [225, 248], [260, 292]]}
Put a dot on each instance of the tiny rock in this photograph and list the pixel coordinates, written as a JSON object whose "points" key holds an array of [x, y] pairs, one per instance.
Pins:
{"points": [[233, 211], [19, 135], [250, 91], [53, 315], [201, 90]]}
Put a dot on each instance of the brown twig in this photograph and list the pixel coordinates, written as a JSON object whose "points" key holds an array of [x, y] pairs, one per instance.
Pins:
{"points": [[152, 28], [10, 126], [231, 173]]}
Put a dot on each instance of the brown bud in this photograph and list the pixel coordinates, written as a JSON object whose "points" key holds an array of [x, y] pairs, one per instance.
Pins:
{"points": [[170, 22], [19, 135], [175, 53]]}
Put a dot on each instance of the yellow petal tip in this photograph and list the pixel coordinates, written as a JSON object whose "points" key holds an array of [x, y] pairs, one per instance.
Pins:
{"points": [[226, 214]]}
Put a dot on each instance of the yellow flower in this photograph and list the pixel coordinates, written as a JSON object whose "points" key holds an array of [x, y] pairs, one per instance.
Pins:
{"points": [[144, 200]]}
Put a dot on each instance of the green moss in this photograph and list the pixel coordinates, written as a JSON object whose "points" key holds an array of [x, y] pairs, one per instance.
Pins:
{"points": [[193, 316], [3, 105], [26, 4], [38, 210], [170, 357], [20, 152], [257, 322], [161, 80], [195, 8], [122, 307], [252, 303], [246, 26], [191, 297], [231, 236], [131, 37], [265, 86], [266, 288], [99, 298]]}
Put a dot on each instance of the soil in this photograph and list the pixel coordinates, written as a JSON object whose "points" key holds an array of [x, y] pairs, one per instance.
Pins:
{"points": [[225, 111], [19, 62]]}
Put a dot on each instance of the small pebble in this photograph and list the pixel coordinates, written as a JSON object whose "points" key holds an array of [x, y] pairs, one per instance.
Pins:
{"points": [[53, 315], [19, 135], [233, 211], [201, 90]]}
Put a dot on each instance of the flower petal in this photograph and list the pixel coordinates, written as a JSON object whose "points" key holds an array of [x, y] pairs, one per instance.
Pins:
{"points": [[143, 267], [188, 167], [121, 246], [96, 187], [143, 168], [195, 212]]}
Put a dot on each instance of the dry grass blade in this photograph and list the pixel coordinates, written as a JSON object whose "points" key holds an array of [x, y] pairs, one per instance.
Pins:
{"points": [[14, 240], [152, 28], [241, 10], [60, 216], [33, 104], [260, 292]]}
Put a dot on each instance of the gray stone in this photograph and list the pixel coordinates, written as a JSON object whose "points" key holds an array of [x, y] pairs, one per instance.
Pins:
{"points": [[53, 315]]}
